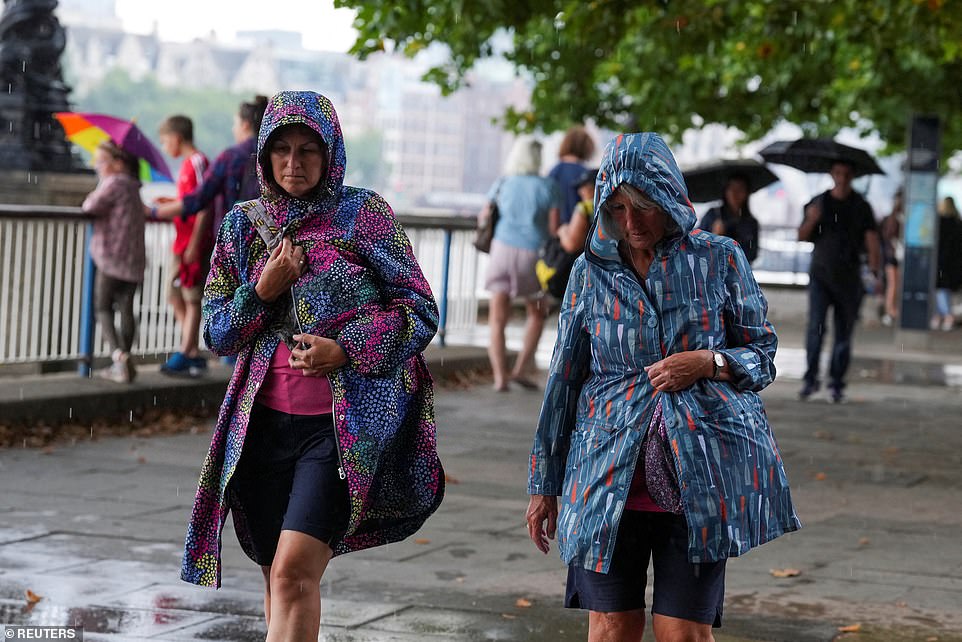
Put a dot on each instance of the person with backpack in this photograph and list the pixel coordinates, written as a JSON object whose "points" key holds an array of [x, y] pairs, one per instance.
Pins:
{"points": [[557, 255]]}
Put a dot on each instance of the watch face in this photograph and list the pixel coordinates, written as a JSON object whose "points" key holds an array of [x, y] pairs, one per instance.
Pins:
{"points": [[719, 360]]}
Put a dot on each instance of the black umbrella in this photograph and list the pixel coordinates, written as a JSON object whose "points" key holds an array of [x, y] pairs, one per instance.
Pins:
{"points": [[706, 181], [817, 155]]}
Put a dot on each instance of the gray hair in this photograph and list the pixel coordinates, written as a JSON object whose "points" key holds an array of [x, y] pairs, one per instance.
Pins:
{"points": [[524, 157], [638, 200]]}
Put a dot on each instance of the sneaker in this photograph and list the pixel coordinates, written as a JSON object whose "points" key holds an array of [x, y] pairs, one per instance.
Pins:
{"points": [[198, 366], [127, 364], [888, 320], [838, 394], [807, 390], [117, 372], [176, 365], [947, 323]]}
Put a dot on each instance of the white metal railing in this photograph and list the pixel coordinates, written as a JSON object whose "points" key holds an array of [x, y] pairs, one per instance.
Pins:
{"points": [[43, 301]]}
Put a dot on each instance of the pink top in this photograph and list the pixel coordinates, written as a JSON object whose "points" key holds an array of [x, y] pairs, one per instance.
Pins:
{"points": [[288, 390], [638, 497]]}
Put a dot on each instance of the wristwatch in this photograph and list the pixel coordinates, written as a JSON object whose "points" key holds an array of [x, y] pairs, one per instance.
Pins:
{"points": [[718, 361]]}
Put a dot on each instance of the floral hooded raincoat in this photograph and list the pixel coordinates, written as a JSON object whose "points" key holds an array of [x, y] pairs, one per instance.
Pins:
{"points": [[365, 290], [699, 293]]}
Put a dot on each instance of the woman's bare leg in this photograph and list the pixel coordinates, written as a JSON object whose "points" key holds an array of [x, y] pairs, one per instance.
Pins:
{"points": [[536, 311], [622, 626], [295, 587], [673, 629], [497, 320]]}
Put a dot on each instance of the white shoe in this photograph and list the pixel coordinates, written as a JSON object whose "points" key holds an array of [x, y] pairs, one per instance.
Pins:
{"points": [[947, 324], [117, 372]]}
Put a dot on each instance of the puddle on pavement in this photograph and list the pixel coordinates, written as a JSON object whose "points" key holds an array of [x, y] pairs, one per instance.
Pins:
{"points": [[790, 363], [93, 619]]}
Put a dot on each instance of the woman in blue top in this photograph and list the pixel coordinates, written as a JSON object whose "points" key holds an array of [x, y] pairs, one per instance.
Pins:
{"points": [[528, 212], [652, 432]]}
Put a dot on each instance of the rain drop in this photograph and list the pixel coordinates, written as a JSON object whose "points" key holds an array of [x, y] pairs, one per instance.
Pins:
{"points": [[131, 416], [70, 412]]}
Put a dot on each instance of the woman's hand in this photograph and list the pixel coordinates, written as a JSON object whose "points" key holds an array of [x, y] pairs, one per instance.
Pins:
{"points": [[285, 265], [679, 371], [542, 520], [319, 356]]}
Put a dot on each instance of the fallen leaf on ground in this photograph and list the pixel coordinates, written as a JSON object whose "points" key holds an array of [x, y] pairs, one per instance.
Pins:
{"points": [[422, 541], [32, 598], [851, 628], [141, 460], [864, 541], [932, 639], [784, 572], [508, 616], [523, 603], [822, 434], [820, 476]]}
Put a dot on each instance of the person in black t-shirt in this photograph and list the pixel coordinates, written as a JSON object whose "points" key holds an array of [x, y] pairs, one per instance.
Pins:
{"points": [[733, 218], [842, 226]]}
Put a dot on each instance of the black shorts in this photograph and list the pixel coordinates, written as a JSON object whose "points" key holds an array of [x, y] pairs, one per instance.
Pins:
{"points": [[287, 479], [683, 590]]}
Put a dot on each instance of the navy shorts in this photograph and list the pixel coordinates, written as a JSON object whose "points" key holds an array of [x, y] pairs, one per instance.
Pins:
{"points": [[683, 590], [287, 479]]}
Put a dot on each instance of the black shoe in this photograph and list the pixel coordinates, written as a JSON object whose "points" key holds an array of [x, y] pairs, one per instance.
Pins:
{"points": [[838, 395], [807, 390]]}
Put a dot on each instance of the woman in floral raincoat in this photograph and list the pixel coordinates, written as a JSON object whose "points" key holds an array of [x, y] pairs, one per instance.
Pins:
{"points": [[325, 442], [651, 430]]}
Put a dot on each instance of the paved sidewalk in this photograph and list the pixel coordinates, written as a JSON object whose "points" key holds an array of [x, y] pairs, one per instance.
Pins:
{"points": [[96, 527]]}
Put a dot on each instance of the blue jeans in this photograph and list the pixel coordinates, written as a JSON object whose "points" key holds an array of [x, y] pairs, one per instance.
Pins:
{"points": [[943, 302], [845, 307]]}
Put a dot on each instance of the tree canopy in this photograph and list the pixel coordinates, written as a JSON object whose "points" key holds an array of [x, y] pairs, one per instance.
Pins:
{"points": [[671, 65]]}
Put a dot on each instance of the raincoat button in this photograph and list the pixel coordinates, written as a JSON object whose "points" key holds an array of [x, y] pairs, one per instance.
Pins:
{"points": [[652, 322], [340, 417]]}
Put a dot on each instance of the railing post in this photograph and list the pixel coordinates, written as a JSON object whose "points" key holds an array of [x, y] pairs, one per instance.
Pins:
{"points": [[443, 304], [88, 319]]}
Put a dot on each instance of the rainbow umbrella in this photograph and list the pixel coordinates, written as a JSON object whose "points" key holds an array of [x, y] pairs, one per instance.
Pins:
{"points": [[89, 130]]}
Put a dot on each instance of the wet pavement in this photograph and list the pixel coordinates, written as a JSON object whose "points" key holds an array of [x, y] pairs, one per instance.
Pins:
{"points": [[95, 528]]}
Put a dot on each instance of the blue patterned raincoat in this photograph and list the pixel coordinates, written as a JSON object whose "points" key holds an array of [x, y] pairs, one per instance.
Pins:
{"points": [[699, 293]]}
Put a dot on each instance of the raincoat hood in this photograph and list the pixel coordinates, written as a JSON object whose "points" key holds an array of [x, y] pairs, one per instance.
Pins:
{"points": [[316, 112], [643, 161]]}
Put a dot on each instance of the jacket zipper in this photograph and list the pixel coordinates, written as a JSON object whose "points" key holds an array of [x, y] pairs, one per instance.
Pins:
{"points": [[337, 439]]}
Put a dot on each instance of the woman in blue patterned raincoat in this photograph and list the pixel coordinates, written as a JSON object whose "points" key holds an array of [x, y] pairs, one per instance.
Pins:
{"points": [[652, 432]]}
